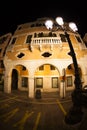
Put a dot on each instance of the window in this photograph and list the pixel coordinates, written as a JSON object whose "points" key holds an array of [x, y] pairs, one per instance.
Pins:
{"points": [[40, 34], [2, 40], [55, 82], [24, 82], [0, 50], [1, 80], [63, 38], [41, 67], [23, 68], [52, 34], [13, 40], [1, 64], [1, 77], [69, 81], [20, 55], [78, 39], [29, 39], [39, 82], [46, 54], [52, 67]]}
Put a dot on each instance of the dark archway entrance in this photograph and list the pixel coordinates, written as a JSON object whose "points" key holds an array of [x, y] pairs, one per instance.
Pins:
{"points": [[14, 82]]}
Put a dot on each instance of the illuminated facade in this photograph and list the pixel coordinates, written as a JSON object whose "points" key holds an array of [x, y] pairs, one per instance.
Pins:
{"points": [[37, 58], [4, 41]]}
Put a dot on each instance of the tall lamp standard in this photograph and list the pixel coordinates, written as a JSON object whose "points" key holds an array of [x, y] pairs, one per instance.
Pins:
{"points": [[75, 113]]}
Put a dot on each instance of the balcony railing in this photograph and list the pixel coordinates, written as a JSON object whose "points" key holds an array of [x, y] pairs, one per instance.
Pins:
{"points": [[46, 40]]}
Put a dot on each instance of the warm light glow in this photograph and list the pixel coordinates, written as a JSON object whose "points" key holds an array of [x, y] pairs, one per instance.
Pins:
{"points": [[49, 24], [59, 20], [73, 26]]}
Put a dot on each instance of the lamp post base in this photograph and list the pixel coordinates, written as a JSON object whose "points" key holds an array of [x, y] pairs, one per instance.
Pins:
{"points": [[74, 116]]}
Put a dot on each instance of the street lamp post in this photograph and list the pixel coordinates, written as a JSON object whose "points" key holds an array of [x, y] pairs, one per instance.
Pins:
{"points": [[75, 113]]}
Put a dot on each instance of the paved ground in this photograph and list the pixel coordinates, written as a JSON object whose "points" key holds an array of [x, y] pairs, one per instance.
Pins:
{"points": [[18, 112]]}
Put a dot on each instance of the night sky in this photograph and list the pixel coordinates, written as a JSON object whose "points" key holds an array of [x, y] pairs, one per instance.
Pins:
{"points": [[16, 12]]}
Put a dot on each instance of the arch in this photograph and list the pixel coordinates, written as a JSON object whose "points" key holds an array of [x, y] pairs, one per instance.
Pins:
{"points": [[42, 64], [47, 77], [19, 77], [70, 75], [72, 70]]}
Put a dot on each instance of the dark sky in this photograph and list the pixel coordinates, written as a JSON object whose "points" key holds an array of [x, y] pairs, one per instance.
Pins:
{"points": [[15, 12]]}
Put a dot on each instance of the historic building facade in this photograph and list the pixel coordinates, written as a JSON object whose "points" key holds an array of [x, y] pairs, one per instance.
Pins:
{"points": [[37, 58]]}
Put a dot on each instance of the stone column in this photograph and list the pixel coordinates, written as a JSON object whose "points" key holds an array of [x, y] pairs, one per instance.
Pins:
{"points": [[7, 84], [63, 85], [31, 87], [62, 90]]}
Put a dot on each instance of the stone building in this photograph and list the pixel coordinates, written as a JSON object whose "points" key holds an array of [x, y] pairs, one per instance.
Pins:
{"points": [[37, 58], [4, 41]]}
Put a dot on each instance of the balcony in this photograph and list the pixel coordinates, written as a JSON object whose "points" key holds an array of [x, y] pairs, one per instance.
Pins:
{"points": [[51, 41]]}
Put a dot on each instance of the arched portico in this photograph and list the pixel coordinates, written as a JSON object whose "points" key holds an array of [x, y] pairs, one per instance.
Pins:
{"points": [[29, 75]]}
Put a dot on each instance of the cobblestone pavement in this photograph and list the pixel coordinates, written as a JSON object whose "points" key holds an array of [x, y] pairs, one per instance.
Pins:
{"points": [[19, 112]]}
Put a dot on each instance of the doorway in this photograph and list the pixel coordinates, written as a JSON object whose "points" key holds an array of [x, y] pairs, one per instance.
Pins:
{"points": [[14, 81]]}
